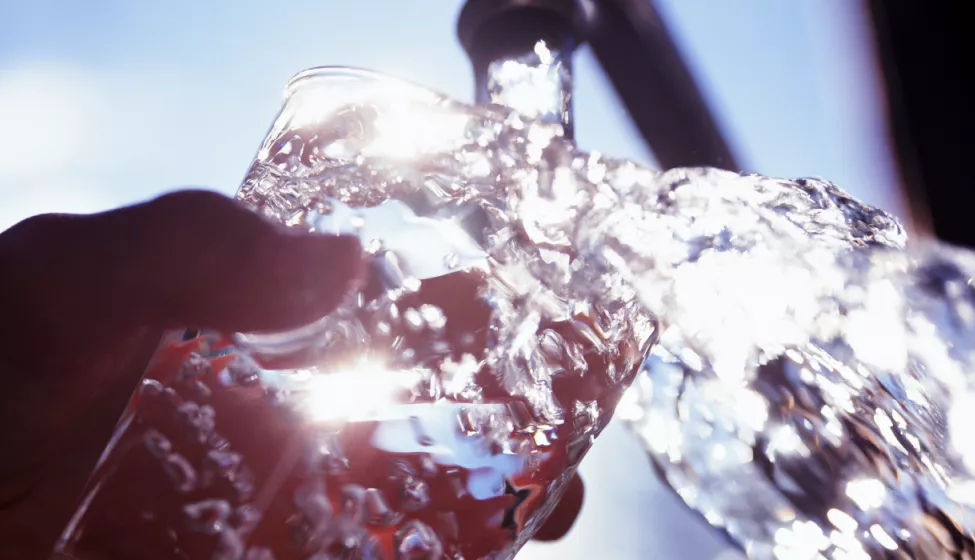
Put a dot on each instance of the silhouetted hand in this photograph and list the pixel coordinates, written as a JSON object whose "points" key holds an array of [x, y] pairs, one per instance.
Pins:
{"points": [[83, 302]]}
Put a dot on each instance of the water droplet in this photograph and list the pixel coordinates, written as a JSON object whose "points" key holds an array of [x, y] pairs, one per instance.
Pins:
{"points": [[201, 390], [411, 284], [416, 494], [243, 483], [180, 472], [218, 442], [230, 546], [373, 246], [195, 365], [200, 419], [451, 261], [150, 388], [221, 464], [413, 320], [353, 502], [377, 510], [157, 443], [243, 372], [392, 311], [208, 516], [246, 518], [417, 541], [433, 316]]}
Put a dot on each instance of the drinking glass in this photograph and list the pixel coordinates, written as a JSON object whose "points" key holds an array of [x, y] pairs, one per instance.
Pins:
{"points": [[440, 410]]}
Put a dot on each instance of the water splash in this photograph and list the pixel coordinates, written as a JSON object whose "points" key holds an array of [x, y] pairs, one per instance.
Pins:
{"points": [[810, 388], [809, 391], [804, 393]]}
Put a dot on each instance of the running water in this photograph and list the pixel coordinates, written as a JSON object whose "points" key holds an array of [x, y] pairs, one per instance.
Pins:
{"points": [[808, 391], [810, 387]]}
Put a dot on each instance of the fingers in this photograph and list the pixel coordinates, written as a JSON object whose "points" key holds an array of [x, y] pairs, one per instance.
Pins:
{"points": [[191, 258], [213, 263], [565, 514]]}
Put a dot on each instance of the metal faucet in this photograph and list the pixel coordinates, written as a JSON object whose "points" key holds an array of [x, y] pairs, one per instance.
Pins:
{"points": [[631, 44]]}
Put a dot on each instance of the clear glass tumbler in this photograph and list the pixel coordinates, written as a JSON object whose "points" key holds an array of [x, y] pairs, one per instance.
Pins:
{"points": [[438, 412]]}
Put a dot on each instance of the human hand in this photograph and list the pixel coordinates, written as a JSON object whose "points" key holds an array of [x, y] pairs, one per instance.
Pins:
{"points": [[84, 301]]}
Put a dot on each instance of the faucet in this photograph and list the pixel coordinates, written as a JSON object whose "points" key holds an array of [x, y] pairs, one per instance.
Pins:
{"points": [[634, 48]]}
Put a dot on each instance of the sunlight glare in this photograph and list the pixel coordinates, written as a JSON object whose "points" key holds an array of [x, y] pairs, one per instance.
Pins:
{"points": [[357, 392]]}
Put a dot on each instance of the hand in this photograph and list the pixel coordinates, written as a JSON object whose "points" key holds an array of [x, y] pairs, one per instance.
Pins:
{"points": [[84, 300]]}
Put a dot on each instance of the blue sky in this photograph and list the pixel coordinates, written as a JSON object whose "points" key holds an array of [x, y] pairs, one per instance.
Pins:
{"points": [[108, 102]]}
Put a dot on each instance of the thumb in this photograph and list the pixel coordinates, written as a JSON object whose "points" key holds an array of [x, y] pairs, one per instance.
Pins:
{"points": [[191, 258]]}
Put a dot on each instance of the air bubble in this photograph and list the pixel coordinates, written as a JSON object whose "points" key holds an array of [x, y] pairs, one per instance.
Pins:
{"points": [[200, 419], [150, 388], [377, 510], [194, 366], [353, 502], [202, 390], [230, 546], [157, 444], [222, 464], [180, 472], [417, 541], [208, 516], [416, 494], [246, 518], [243, 372]]}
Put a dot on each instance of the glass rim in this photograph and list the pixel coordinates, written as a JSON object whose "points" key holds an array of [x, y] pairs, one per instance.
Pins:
{"points": [[353, 73]]}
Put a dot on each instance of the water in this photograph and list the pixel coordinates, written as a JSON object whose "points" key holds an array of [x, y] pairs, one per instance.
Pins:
{"points": [[808, 391], [439, 412]]}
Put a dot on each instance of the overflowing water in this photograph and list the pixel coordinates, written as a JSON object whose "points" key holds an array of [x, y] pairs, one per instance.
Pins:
{"points": [[809, 388]]}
